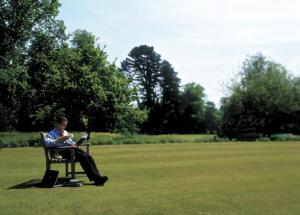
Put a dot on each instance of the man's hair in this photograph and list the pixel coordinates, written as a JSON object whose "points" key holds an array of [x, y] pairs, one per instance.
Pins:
{"points": [[61, 119]]}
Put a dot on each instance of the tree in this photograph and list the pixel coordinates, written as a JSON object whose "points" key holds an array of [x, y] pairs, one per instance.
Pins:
{"points": [[42, 75], [211, 117], [13, 86], [142, 66], [18, 21], [96, 90], [77, 80], [192, 108], [263, 99], [170, 96], [40, 60], [157, 87]]}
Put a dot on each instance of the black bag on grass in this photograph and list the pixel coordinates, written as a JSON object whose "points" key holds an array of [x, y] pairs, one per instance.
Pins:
{"points": [[50, 179]]}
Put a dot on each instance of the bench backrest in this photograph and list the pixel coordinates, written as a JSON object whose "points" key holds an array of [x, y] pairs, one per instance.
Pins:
{"points": [[43, 138]]}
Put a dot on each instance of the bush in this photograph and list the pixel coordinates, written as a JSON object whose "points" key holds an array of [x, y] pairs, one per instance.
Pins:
{"points": [[264, 139], [284, 137], [18, 139]]}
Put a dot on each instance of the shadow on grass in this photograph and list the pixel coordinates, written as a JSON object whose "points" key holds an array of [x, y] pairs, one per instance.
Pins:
{"points": [[37, 183]]}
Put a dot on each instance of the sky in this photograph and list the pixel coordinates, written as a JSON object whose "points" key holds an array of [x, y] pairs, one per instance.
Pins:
{"points": [[206, 41]]}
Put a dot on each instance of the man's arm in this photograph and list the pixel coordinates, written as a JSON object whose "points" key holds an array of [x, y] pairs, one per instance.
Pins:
{"points": [[51, 141]]}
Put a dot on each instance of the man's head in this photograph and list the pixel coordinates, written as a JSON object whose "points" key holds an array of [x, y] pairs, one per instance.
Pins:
{"points": [[61, 123]]}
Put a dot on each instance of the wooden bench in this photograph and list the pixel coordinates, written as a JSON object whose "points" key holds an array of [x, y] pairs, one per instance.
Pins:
{"points": [[52, 156]]}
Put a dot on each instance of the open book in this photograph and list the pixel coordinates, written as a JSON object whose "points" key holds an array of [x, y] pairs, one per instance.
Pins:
{"points": [[82, 139]]}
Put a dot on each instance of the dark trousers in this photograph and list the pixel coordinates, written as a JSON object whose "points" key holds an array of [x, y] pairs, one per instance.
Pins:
{"points": [[86, 161]]}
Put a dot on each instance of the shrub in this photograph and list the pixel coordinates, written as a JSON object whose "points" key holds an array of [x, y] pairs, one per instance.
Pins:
{"points": [[283, 137], [264, 139]]}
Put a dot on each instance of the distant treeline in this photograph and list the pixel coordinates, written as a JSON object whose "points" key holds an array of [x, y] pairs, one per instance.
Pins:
{"points": [[45, 73]]}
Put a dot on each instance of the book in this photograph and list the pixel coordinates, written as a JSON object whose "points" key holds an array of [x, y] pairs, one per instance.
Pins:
{"points": [[83, 139]]}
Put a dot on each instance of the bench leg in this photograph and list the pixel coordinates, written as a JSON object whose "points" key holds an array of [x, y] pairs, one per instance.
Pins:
{"points": [[67, 169], [73, 169]]}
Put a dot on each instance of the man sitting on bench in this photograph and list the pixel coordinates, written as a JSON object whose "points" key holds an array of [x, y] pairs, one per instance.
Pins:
{"points": [[59, 138]]}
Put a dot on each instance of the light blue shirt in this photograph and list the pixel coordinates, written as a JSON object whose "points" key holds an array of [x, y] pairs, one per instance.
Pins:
{"points": [[53, 135]]}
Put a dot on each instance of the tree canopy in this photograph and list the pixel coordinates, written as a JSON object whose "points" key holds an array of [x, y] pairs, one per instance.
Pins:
{"points": [[264, 98], [45, 72]]}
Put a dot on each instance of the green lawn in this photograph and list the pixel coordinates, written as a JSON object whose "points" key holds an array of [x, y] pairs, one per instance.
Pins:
{"points": [[187, 178]]}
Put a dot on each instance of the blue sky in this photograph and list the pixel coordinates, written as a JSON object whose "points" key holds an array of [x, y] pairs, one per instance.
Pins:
{"points": [[206, 41]]}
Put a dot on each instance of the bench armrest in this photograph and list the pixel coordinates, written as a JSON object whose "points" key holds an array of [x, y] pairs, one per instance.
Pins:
{"points": [[55, 151], [87, 145]]}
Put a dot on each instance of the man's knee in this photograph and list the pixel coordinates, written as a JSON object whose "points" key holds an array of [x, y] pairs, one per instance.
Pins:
{"points": [[83, 155]]}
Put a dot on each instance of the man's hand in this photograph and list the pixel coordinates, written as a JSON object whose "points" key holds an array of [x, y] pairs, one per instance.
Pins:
{"points": [[61, 139]]}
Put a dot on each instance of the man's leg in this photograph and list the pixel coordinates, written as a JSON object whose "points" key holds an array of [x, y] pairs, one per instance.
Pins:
{"points": [[88, 164]]}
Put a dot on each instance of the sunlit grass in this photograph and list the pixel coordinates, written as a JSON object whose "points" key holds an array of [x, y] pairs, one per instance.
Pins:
{"points": [[219, 178]]}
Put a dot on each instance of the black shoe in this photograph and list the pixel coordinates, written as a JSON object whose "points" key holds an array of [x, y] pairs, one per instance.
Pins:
{"points": [[100, 181]]}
